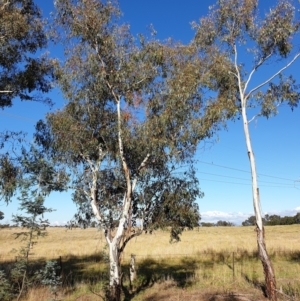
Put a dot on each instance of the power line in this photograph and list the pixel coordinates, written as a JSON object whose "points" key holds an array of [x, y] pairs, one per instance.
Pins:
{"points": [[212, 174], [30, 120], [247, 184], [241, 170]]}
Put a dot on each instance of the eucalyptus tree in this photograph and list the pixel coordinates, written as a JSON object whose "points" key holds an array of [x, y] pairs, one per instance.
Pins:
{"points": [[24, 73], [239, 42], [127, 128]]}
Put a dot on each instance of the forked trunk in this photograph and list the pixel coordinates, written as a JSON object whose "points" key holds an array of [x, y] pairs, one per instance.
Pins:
{"points": [[270, 281]]}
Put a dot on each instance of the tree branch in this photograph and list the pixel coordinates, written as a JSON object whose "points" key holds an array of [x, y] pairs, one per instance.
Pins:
{"points": [[273, 76], [137, 233], [4, 5], [143, 164], [261, 61]]}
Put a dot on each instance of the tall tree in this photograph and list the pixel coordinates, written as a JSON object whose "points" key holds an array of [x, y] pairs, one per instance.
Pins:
{"points": [[238, 42], [127, 128]]}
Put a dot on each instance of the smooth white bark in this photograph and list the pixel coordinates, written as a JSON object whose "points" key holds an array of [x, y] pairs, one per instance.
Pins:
{"points": [[255, 190]]}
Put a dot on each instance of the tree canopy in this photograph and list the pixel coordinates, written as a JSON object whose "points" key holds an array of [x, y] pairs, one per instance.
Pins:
{"points": [[24, 74], [22, 36], [131, 122]]}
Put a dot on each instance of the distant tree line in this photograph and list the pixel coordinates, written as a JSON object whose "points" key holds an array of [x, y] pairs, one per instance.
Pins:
{"points": [[218, 224], [273, 220]]}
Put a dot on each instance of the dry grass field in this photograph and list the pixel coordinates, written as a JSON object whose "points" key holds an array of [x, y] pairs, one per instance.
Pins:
{"points": [[213, 264]]}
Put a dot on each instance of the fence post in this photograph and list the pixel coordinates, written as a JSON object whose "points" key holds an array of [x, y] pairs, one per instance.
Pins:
{"points": [[233, 272], [60, 264], [132, 270]]}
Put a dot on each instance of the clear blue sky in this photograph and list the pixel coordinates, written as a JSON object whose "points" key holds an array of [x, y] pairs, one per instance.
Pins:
{"points": [[223, 167]]}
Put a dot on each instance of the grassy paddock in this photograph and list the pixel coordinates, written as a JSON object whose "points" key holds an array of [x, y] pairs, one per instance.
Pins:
{"points": [[219, 260]]}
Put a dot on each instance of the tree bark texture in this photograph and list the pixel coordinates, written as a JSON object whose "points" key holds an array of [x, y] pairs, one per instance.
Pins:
{"points": [[114, 273], [270, 280]]}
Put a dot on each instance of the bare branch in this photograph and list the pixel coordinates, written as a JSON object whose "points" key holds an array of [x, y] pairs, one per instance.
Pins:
{"points": [[253, 118], [261, 61], [273, 76], [143, 164]]}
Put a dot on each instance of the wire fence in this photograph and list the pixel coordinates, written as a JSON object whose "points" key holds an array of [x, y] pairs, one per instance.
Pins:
{"points": [[206, 268]]}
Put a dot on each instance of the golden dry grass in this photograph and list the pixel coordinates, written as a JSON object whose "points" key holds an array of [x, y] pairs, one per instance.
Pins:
{"points": [[201, 264], [80, 242]]}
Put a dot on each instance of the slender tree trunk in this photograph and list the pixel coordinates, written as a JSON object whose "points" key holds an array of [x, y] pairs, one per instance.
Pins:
{"points": [[270, 280]]}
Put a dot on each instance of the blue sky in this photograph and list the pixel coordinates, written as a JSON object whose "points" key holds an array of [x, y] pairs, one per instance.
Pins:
{"points": [[223, 166]]}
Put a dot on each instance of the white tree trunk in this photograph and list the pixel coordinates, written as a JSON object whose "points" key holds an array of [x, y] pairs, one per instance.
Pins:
{"points": [[255, 190], [262, 250], [114, 272]]}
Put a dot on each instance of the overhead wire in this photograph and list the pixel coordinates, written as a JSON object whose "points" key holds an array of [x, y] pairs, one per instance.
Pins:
{"points": [[247, 184], [30, 120], [223, 176], [245, 171]]}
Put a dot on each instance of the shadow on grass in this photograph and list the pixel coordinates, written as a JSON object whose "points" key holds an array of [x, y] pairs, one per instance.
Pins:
{"points": [[293, 256], [180, 272], [93, 270], [73, 270]]}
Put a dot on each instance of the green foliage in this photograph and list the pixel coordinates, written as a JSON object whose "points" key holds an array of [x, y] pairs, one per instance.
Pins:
{"points": [[169, 202], [48, 276], [21, 36], [23, 75], [35, 229], [127, 127], [38, 179], [8, 177], [225, 33], [5, 287]]}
